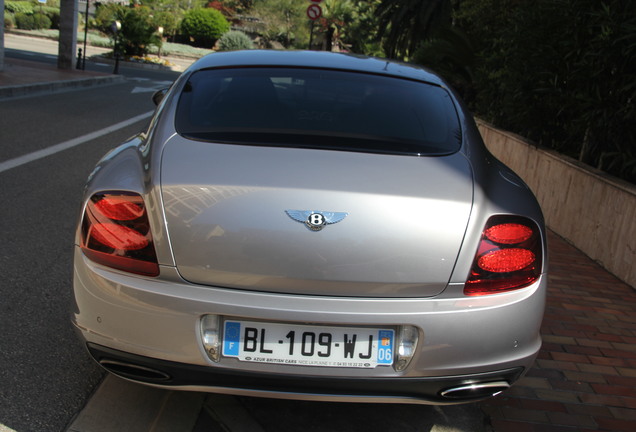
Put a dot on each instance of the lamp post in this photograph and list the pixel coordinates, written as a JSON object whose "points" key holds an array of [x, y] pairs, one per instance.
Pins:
{"points": [[85, 36], [115, 28], [160, 31]]}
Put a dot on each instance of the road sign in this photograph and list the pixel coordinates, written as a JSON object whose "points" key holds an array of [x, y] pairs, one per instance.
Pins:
{"points": [[314, 11]]}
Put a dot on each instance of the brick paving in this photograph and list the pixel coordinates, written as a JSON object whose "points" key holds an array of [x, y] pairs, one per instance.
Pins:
{"points": [[584, 378]]}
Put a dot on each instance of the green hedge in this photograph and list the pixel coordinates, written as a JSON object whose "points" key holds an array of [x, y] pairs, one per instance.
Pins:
{"points": [[17, 7], [27, 16]]}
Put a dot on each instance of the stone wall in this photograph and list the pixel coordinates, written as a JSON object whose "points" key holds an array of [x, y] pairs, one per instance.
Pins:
{"points": [[593, 211]]}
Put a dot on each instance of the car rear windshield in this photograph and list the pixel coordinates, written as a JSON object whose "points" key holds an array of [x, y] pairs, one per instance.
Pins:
{"points": [[315, 108]]}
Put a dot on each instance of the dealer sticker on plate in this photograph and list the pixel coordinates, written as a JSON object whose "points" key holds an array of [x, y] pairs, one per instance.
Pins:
{"points": [[308, 345]]}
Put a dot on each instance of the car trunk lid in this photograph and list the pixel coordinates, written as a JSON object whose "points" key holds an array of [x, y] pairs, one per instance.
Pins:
{"points": [[232, 214]]}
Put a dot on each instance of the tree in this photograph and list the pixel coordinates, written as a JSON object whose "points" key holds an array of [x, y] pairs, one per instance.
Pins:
{"points": [[450, 53], [138, 33], [138, 30], [236, 6], [169, 21], [336, 16], [561, 73], [403, 24], [361, 31], [204, 26], [285, 21]]}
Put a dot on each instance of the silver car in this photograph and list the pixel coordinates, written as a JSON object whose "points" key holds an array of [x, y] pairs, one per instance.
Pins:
{"points": [[315, 226]]}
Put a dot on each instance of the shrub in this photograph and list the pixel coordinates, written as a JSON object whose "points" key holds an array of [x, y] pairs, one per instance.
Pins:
{"points": [[204, 26], [105, 14], [54, 15], [24, 21], [9, 20], [235, 40], [41, 21], [27, 18], [169, 20], [137, 32], [17, 7]]}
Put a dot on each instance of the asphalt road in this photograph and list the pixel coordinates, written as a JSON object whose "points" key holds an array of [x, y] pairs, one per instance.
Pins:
{"points": [[45, 375]]}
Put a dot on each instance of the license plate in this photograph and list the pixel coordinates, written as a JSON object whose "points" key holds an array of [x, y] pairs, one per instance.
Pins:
{"points": [[308, 345]]}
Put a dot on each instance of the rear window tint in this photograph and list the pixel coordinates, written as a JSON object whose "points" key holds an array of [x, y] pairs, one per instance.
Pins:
{"points": [[317, 108]]}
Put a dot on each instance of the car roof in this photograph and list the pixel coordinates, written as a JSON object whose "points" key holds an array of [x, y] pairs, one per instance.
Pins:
{"points": [[317, 59]]}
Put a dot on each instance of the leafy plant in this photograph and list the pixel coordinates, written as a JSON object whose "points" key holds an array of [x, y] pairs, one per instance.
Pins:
{"points": [[560, 72], [169, 21], [17, 7], [235, 40], [41, 21], [204, 26], [105, 14], [403, 24], [9, 20], [450, 53], [360, 32], [24, 21], [54, 15], [285, 22], [138, 32]]}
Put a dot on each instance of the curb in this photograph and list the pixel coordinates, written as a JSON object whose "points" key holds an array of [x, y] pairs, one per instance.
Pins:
{"points": [[134, 65], [16, 91]]}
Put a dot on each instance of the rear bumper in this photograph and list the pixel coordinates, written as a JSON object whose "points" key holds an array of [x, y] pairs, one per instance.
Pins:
{"points": [[155, 323], [163, 373]]}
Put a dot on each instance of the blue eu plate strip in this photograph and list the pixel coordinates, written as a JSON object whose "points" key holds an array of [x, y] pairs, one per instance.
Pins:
{"points": [[231, 339]]}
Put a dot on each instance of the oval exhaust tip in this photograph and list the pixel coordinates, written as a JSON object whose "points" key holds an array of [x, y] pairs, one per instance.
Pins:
{"points": [[476, 390], [133, 371]]}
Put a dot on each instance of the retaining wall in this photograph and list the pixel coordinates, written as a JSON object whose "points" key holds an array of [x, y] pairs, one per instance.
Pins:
{"points": [[593, 211]]}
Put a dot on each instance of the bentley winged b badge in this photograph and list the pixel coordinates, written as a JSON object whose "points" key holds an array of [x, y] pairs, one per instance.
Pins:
{"points": [[316, 220]]}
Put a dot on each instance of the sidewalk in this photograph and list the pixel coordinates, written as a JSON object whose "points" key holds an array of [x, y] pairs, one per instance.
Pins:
{"points": [[25, 78], [585, 376]]}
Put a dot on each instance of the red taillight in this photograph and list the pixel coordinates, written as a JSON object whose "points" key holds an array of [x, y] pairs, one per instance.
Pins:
{"points": [[121, 208], [508, 233], [506, 260], [118, 237], [116, 233], [509, 256]]}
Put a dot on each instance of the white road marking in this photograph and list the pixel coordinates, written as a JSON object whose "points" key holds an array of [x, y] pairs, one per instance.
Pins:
{"points": [[146, 89], [156, 85], [30, 157]]}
